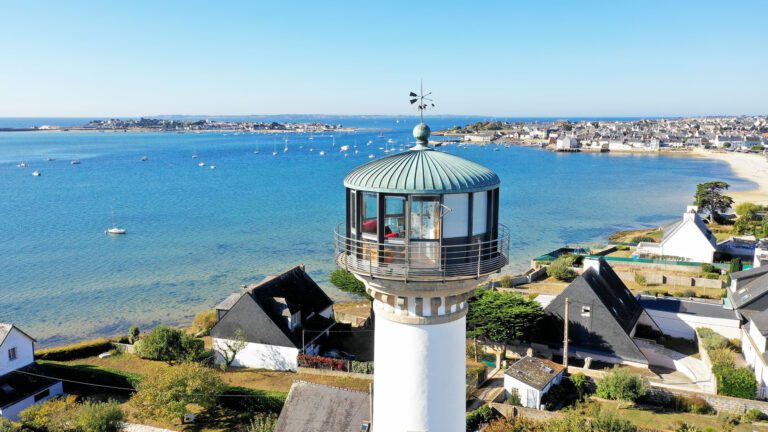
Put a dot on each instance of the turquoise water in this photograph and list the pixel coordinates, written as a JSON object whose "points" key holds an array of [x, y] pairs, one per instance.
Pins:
{"points": [[196, 234]]}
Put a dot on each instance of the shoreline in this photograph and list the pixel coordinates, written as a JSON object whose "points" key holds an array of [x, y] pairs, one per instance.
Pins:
{"points": [[748, 166]]}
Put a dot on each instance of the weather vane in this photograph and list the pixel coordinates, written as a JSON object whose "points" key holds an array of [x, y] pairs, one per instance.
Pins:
{"points": [[420, 98]]}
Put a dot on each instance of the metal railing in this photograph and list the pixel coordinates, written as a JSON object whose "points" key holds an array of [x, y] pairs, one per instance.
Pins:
{"points": [[414, 260]]}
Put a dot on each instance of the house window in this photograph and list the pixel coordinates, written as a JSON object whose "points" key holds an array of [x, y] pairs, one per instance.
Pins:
{"points": [[12, 354], [585, 310], [42, 395]]}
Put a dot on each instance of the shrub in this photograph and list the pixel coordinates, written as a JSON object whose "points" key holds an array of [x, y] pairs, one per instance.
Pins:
{"points": [[262, 423], [610, 422], [98, 417], [514, 397], [582, 384], [712, 276], [735, 382], [204, 322], [52, 415], [346, 281], [620, 384], [361, 367], [688, 293], [708, 268], [735, 265], [640, 279], [560, 268], [75, 351], [722, 356], [7, 426], [711, 340], [640, 239], [166, 392], [506, 281], [170, 345], [693, 404], [475, 418], [753, 415], [622, 247], [319, 362], [134, 333]]}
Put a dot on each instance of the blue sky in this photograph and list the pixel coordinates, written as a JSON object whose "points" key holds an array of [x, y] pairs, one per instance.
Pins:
{"points": [[503, 58]]}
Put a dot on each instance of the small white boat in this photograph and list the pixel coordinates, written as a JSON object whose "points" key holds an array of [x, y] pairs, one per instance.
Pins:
{"points": [[50, 159], [344, 148], [36, 173], [369, 142], [23, 165], [390, 141], [116, 230], [194, 156], [212, 167], [75, 162], [201, 164], [144, 158], [371, 156], [322, 153]]}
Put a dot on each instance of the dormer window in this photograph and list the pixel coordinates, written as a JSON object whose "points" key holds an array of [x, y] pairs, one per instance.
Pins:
{"points": [[12, 354]]}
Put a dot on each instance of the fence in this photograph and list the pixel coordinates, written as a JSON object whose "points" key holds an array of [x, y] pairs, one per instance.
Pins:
{"points": [[332, 364]]}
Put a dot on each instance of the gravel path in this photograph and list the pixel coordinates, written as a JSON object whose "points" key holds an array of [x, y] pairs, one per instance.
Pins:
{"points": [[130, 427]]}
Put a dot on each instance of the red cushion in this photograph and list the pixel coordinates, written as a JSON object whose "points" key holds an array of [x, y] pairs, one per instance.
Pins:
{"points": [[390, 235], [369, 226]]}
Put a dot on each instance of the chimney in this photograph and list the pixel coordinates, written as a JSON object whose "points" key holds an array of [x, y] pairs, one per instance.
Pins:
{"points": [[592, 263], [690, 212]]}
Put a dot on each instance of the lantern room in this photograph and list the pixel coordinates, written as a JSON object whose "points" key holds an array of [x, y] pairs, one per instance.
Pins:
{"points": [[422, 215]]}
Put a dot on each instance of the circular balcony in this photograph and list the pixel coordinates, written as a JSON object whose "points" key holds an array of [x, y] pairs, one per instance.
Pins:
{"points": [[422, 261]]}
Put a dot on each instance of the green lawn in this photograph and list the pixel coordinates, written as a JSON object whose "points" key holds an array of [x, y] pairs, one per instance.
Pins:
{"points": [[652, 418]]}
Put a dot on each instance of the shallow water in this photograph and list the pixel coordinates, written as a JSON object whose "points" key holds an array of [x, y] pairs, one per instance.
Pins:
{"points": [[196, 234]]}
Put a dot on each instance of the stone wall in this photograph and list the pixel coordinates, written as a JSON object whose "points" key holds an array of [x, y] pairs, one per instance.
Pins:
{"points": [[723, 404], [654, 278], [509, 411]]}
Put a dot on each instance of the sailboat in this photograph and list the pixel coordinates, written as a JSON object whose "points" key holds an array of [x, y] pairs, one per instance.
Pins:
{"points": [[274, 149], [381, 134], [115, 229], [285, 150], [257, 149]]}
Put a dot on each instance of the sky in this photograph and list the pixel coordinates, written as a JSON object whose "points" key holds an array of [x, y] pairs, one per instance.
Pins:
{"points": [[491, 58]]}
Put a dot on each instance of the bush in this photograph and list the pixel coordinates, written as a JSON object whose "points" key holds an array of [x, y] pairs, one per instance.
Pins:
{"points": [[711, 340], [262, 423], [610, 422], [7, 426], [475, 418], [133, 334], [347, 282], [712, 276], [204, 322], [506, 281], [319, 362], [620, 384], [640, 239], [52, 415], [582, 384], [622, 247], [708, 268], [170, 345], [514, 397], [75, 351], [722, 356], [640, 279], [735, 382], [165, 393], [735, 265], [692, 404], [560, 268], [361, 367], [753, 415], [688, 293], [99, 417]]}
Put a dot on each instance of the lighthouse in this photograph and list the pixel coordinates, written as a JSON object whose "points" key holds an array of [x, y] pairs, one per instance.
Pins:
{"points": [[421, 231]]}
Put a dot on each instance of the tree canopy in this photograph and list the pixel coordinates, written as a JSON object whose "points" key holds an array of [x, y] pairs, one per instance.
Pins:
{"points": [[709, 196], [502, 317], [169, 344]]}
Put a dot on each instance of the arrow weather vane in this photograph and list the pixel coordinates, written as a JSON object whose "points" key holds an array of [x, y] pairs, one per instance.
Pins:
{"points": [[420, 98]]}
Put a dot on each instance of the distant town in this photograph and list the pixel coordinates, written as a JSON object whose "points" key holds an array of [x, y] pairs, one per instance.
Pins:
{"points": [[182, 126], [742, 133]]}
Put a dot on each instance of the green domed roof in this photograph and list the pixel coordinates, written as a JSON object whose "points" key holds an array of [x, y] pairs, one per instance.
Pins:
{"points": [[422, 170]]}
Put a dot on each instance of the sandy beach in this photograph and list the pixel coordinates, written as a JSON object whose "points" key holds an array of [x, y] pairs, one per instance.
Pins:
{"points": [[749, 166]]}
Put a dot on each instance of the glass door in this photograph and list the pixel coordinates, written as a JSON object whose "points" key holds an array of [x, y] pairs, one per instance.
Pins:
{"points": [[425, 232]]}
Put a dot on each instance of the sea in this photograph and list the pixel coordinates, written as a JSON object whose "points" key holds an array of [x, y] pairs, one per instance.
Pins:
{"points": [[197, 234]]}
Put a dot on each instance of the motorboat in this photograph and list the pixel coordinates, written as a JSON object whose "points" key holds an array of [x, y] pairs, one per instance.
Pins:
{"points": [[144, 158], [322, 153], [36, 173], [75, 162], [201, 164], [212, 167], [23, 165], [116, 230]]}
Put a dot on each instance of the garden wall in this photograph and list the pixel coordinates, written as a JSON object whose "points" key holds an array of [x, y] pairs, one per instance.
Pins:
{"points": [[726, 404]]}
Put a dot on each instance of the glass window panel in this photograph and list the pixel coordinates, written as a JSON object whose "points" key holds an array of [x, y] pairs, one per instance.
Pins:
{"points": [[370, 213], [479, 213], [394, 222], [425, 218], [352, 209], [456, 215]]}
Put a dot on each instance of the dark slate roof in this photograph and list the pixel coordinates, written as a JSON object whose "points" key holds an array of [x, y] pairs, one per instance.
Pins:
{"points": [[19, 384], [535, 372], [319, 408], [259, 310], [613, 313], [750, 285], [228, 302], [689, 307], [757, 312]]}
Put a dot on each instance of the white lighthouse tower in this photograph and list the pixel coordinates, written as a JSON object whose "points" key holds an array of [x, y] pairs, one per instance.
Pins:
{"points": [[421, 232]]}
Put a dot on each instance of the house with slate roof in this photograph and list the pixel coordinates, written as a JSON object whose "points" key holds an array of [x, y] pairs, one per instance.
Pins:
{"points": [[603, 317], [317, 407], [278, 317], [747, 294], [22, 381], [532, 378], [687, 239]]}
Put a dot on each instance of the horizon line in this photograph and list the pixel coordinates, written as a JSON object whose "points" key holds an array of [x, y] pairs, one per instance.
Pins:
{"points": [[495, 116]]}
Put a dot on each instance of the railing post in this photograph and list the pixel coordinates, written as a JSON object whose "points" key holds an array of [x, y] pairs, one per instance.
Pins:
{"points": [[370, 263], [479, 250]]}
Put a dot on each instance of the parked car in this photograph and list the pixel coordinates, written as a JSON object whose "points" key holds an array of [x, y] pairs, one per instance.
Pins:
{"points": [[339, 354]]}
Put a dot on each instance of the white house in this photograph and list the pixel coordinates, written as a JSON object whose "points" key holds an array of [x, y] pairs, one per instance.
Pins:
{"points": [[21, 383], [531, 378], [278, 318], [680, 318], [747, 294], [761, 254], [567, 143], [688, 239]]}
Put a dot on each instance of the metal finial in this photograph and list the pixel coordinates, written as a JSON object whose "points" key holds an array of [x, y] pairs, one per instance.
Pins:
{"points": [[420, 98]]}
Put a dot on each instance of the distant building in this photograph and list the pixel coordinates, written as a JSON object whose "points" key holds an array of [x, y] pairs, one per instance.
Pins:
{"points": [[761, 254], [680, 318], [317, 407], [567, 143], [531, 378], [279, 317], [687, 239], [21, 383]]}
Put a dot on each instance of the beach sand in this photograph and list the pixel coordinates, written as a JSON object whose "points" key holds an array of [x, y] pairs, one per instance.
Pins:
{"points": [[749, 166]]}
